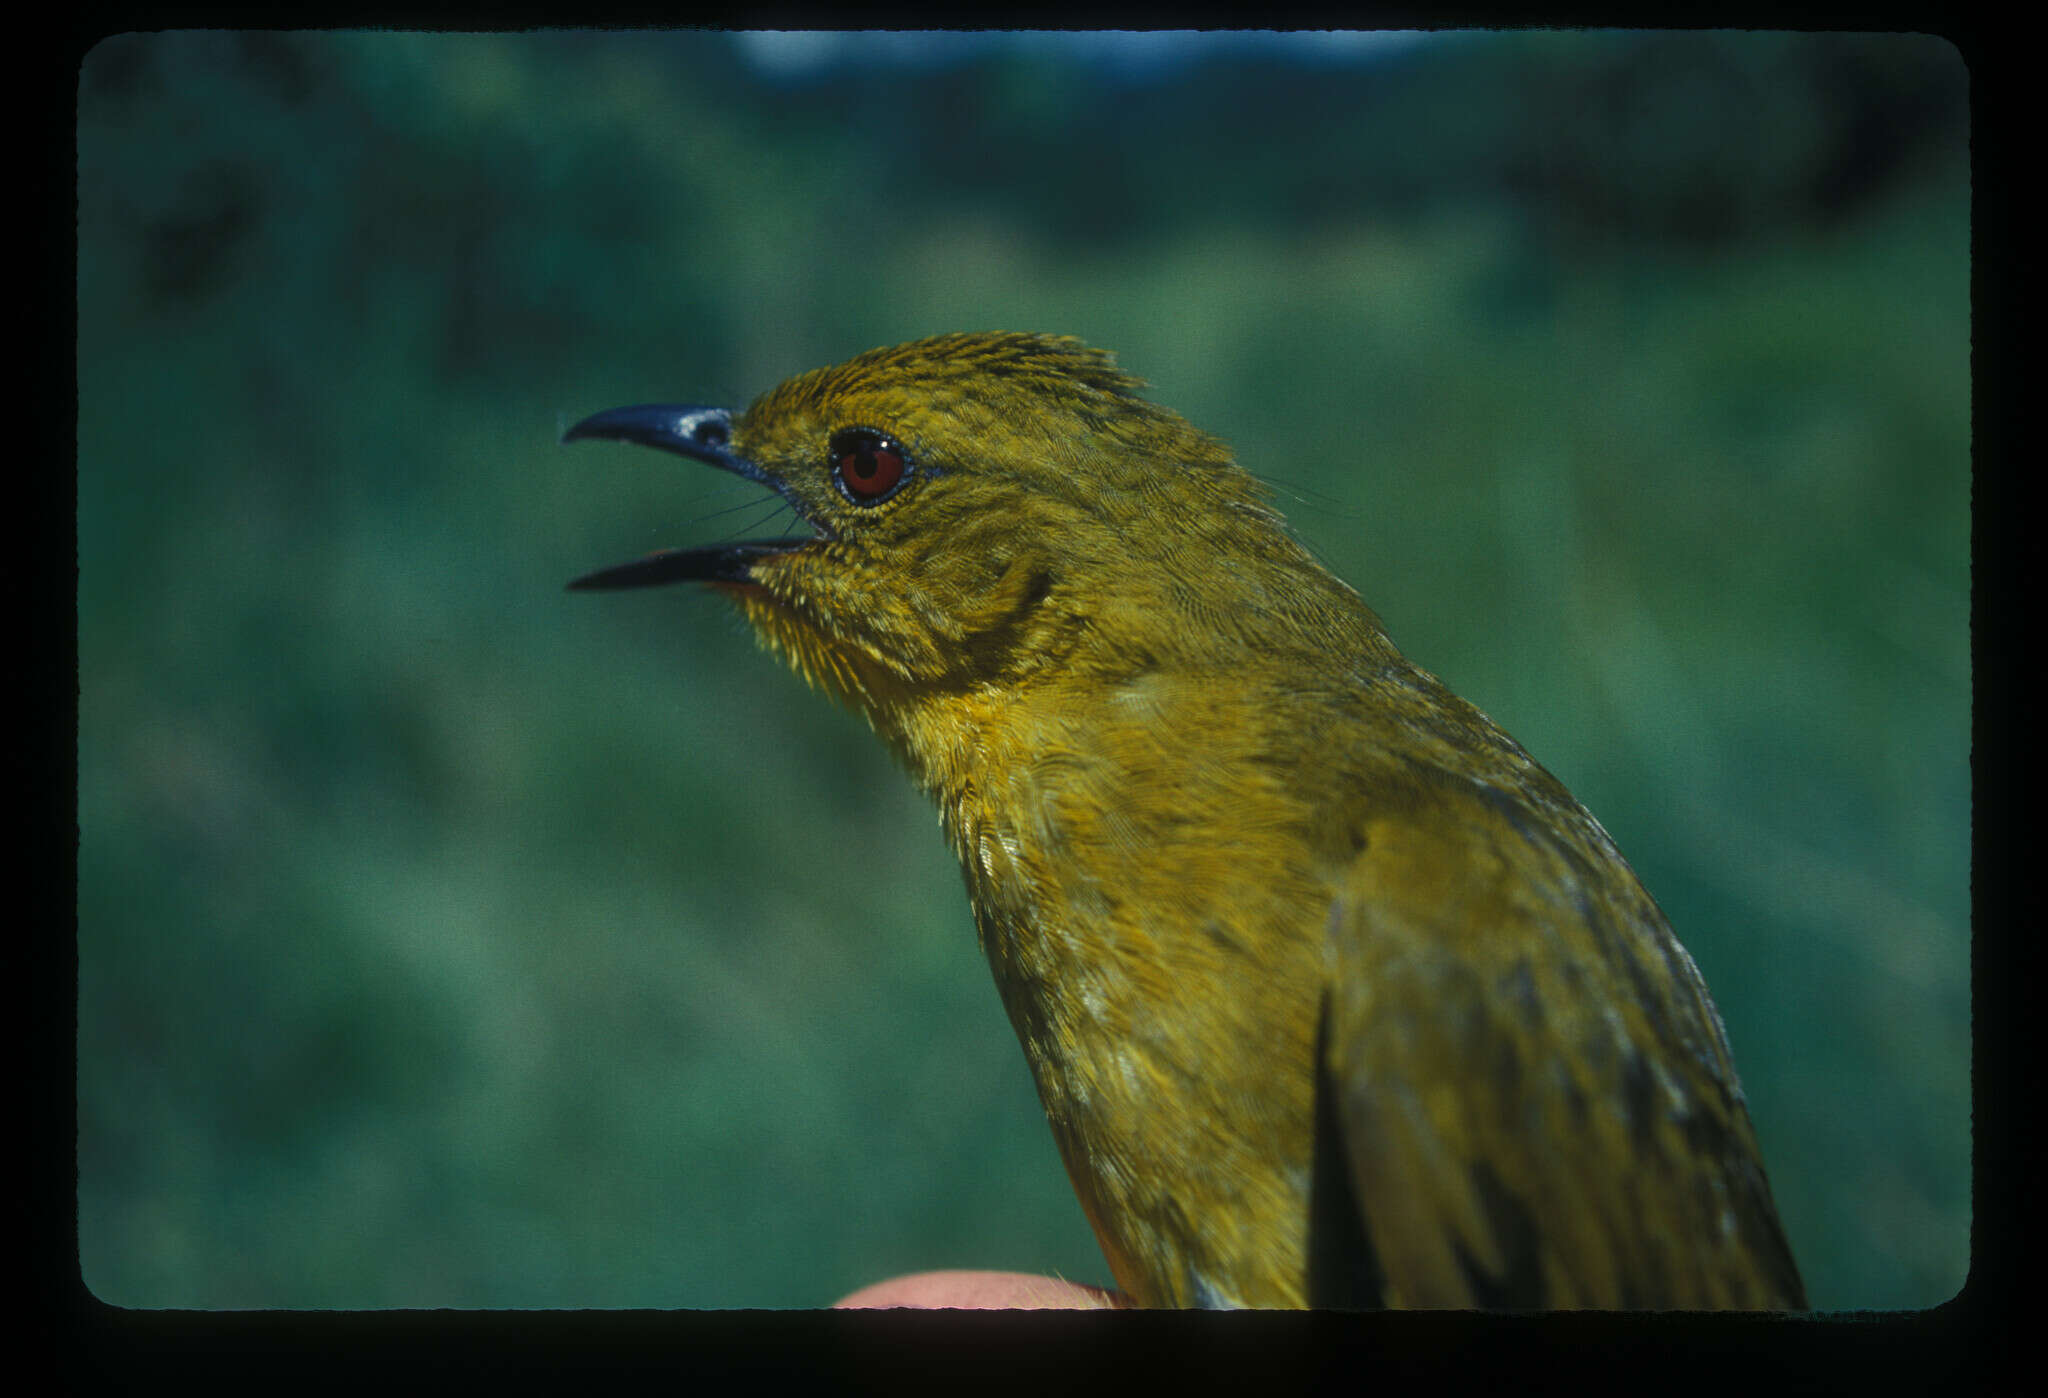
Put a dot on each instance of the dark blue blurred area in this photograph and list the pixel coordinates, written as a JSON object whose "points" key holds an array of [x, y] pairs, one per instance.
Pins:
{"points": [[447, 939]]}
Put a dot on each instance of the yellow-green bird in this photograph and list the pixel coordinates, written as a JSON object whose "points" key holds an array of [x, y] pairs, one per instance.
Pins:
{"points": [[1332, 995]]}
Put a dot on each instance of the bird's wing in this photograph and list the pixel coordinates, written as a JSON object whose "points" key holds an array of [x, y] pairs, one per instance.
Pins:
{"points": [[1523, 1082]]}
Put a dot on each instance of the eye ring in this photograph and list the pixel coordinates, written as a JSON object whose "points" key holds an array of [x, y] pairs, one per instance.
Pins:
{"points": [[868, 466]]}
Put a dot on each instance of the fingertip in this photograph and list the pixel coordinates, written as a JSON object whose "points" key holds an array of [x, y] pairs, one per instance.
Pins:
{"points": [[978, 1291]]}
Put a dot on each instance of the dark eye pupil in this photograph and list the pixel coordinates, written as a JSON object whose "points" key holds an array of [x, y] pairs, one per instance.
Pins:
{"points": [[868, 465]]}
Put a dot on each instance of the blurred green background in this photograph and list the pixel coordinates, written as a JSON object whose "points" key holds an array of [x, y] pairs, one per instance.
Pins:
{"points": [[446, 939]]}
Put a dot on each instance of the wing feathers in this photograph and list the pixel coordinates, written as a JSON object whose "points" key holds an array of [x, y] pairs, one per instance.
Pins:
{"points": [[1533, 1095]]}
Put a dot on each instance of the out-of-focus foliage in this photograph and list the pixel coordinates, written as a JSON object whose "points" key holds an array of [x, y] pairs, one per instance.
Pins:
{"points": [[448, 940]]}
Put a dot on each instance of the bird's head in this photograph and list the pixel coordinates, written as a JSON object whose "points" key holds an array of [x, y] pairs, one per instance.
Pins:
{"points": [[984, 506]]}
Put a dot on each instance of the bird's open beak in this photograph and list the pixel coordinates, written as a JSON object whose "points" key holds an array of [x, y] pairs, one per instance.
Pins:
{"points": [[703, 434]]}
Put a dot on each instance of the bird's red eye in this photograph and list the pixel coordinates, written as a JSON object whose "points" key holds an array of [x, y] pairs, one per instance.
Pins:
{"points": [[867, 465]]}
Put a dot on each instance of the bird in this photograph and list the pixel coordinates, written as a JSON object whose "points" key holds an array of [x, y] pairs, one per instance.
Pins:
{"points": [[1333, 997]]}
